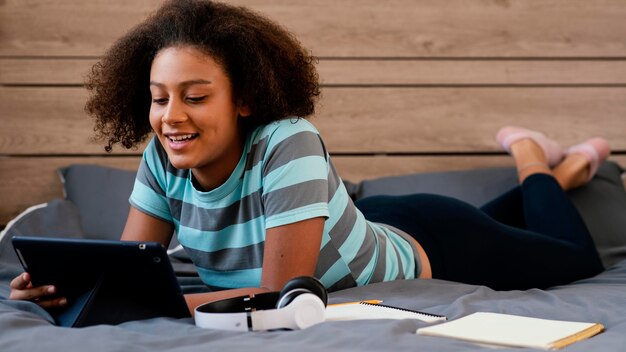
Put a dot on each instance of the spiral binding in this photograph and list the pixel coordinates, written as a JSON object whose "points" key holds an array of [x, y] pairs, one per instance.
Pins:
{"points": [[402, 309]]}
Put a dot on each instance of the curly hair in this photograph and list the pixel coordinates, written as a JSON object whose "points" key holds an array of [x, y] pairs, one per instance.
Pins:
{"points": [[269, 70]]}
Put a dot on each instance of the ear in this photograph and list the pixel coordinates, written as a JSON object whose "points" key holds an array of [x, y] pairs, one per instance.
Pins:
{"points": [[244, 110]]}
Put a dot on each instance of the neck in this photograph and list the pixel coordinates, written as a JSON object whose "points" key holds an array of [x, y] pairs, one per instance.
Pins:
{"points": [[211, 176]]}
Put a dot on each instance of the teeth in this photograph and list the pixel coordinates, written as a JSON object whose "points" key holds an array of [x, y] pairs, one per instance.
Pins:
{"points": [[181, 137]]}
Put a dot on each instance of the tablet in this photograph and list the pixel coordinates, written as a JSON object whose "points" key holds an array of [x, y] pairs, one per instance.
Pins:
{"points": [[105, 282]]}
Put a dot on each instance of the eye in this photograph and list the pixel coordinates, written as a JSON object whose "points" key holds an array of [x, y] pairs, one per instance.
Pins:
{"points": [[196, 99], [159, 101]]}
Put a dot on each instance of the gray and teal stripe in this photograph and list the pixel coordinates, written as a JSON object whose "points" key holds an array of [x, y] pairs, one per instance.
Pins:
{"points": [[285, 175]]}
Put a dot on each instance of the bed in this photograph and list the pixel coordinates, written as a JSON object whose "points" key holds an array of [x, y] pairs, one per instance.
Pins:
{"points": [[26, 327], [411, 91]]}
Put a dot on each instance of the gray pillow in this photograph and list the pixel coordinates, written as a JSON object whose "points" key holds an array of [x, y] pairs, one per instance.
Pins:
{"points": [[101, 196], [602, 202], [473, 186]]}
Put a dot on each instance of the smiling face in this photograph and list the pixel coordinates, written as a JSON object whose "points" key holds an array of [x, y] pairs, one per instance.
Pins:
{"points": [[194, 115]]}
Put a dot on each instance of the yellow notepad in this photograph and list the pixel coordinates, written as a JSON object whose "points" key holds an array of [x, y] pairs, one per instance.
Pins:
{"points": [[514, 330], [370, 310]]}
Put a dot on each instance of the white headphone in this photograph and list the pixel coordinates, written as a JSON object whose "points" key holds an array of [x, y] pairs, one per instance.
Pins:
{"points": [[300, 304]]}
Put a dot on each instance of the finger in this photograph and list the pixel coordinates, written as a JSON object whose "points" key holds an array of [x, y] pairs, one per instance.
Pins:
{"points": [[21, 282], [30, 294], [53, 303]]}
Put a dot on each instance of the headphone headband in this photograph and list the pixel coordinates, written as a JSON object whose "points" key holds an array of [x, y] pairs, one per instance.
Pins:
{"points": [[240, 304], [300, 304]]}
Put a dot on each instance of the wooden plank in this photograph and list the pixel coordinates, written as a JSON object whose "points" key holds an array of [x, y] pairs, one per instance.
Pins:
{"points": [[349, 28], [425, 120], [47, 120], [23, 71], [372, 72], [472, 72], [465, 119], [67, 27], [28, 181]]}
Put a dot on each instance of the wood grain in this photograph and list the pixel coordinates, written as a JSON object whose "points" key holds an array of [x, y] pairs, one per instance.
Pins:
{"points": [[348, 28], [47, 121], [465, 119], [473, 72], [53, 71], [44, 71], [356, 120]]}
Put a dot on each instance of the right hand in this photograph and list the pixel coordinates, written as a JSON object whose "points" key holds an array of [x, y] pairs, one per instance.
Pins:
{"points": [[22, 289]]}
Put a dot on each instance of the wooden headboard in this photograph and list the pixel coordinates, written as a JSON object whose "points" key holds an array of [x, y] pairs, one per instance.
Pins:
{"points": [[408, 85]]}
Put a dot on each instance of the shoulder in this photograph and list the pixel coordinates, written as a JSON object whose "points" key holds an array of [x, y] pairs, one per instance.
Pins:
{"points": [[289, 133], [285, 128]]}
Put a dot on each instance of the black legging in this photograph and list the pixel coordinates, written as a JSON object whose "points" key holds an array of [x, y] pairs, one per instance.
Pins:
{"points": [[532, 236]]}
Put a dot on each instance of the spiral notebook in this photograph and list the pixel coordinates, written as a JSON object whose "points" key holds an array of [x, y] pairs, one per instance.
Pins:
{"points": [[373, 310]]}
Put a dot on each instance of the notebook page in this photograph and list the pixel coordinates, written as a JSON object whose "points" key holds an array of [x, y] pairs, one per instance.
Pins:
{"points": [[507, 330]]}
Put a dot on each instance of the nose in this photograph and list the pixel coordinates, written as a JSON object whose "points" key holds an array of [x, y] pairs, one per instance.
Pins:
{"points": [[174, 114]]}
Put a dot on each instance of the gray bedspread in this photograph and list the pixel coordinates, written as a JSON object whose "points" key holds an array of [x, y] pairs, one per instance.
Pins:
{"points": [[24, 326]]}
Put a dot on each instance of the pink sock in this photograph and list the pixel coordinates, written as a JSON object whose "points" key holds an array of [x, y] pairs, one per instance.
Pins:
{"points": [[596, 150], [507, 136]]}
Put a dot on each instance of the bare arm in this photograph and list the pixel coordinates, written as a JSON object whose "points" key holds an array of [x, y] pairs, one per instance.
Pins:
{"points": [[146, 228], [290, 250]]}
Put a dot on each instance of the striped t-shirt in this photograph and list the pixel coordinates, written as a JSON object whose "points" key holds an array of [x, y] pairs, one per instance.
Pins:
{"points": [[284, 176]]}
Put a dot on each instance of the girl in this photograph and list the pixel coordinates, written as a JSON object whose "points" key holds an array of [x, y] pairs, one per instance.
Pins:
{"points": [[248, 187]]}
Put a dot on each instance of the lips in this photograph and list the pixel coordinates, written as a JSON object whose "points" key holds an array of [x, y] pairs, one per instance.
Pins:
{"points": [[179, 141], [181, 138]]}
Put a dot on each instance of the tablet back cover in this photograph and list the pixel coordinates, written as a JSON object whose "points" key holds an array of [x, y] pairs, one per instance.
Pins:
{"points": [[106, 282]]}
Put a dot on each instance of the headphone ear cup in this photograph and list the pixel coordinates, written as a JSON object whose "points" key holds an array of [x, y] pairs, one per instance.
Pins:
{"points": [[308, 310], [300, 285]]}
